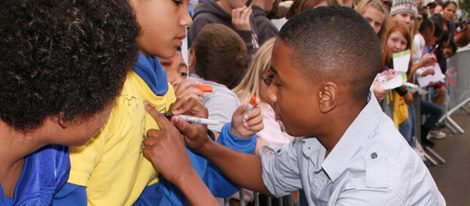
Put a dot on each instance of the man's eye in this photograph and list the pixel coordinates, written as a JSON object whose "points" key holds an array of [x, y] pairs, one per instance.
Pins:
{"points": [[178, 2]]}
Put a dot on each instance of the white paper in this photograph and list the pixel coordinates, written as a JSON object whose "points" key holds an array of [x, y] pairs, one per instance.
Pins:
{"points": [[401, 61], [391, 80], [415, 88], [436, 77]]}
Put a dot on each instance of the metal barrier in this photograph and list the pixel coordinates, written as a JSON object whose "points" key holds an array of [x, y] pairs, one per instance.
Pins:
{"points": [[458, 84], [291, 200], [417, 131]]}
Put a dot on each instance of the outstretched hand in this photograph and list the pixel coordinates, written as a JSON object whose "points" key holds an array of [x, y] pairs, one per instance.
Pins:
{"points": [[245, 124]]}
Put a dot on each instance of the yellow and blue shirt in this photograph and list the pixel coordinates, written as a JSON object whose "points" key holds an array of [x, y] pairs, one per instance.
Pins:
{"points": [[112, 167]]}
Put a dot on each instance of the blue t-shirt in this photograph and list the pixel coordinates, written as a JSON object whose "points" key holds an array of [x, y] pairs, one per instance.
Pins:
{"points": [[44, 172]]}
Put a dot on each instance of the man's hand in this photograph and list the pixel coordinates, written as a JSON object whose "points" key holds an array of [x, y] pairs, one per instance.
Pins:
{"points": [[241, 18], [165, 148], [195, 134], [246, 124]]}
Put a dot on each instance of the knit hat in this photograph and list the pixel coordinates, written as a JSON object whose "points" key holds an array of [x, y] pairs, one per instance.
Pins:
{"points": [[400, 6]]}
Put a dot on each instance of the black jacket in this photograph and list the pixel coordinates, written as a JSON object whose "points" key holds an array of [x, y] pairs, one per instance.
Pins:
{"points": [[208, 12]]}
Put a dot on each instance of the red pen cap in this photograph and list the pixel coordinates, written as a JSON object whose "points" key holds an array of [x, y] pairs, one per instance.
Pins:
{"points": [[204, 87], [253, 100]]}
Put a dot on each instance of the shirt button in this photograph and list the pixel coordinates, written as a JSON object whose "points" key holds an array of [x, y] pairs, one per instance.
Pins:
{"points": [[373, 155]]}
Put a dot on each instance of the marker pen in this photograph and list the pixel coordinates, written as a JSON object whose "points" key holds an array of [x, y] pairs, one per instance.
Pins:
{"points": [[251, 104], [204, 87], [192, 119], [434, 49]]}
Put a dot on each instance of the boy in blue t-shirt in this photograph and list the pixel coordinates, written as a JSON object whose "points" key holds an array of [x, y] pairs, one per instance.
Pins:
{"points": [[62, 66]]}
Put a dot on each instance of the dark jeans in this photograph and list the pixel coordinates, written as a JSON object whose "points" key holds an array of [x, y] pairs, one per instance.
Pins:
{"points": [[433, 113]]}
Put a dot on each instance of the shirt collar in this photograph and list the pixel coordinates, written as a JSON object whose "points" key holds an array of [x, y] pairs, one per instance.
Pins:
{"points": [[352, 140], [151, 71]]}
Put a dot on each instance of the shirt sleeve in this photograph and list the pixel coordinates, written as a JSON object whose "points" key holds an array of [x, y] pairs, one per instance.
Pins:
{"points": [[417, 48], [281, 173], [226, 138], [85, 158], [216, 181]]}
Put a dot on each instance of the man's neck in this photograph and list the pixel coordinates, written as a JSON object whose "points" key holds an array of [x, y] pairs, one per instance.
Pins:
{"points": [[10, 177], [14, 147], [338, 124]]}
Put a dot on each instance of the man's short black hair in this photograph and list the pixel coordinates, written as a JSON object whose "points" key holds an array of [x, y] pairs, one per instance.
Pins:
{"points": [[62, 57], [334, 43]]}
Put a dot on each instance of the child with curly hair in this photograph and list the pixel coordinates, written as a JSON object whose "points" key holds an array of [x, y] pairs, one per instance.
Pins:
{"points": [[62, 67]]}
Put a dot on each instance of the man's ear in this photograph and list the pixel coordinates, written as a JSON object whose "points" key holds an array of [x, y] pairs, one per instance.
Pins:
{"points": [[61, 120], [327, 97]]}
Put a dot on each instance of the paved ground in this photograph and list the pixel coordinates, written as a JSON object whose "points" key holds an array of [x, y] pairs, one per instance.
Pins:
{"points": [[453, 177]]}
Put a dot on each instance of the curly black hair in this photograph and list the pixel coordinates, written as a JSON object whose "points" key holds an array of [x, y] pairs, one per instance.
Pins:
{"points": [[62, 56]]}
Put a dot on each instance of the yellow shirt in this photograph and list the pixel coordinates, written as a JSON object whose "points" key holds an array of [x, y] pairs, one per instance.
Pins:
{"points": [[111, 165]]}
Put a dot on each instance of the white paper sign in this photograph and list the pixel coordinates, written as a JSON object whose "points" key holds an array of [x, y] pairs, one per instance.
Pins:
{"points": [[415, 88], [436, 77], [401, 61], [390, 79]]}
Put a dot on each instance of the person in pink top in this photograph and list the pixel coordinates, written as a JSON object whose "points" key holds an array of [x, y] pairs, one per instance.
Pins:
{"points": [[255, 83]]}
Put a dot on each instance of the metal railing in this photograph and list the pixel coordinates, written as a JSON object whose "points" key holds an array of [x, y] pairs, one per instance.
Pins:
{"points": [[291, 200], [458, 85]]}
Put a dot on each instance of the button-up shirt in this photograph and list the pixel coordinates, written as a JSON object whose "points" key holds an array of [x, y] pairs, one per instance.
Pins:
{"points": [[371, 164]]}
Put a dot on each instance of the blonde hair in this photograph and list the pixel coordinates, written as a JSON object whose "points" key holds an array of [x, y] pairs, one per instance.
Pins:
{"points": [[362, 6], [261, 63], [376, 4]]}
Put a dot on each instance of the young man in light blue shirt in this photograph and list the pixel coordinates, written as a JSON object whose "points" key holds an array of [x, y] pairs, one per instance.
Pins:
{"points": [[324, 62]]}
